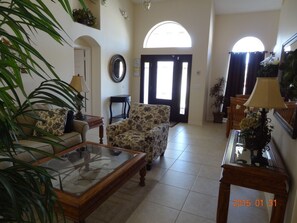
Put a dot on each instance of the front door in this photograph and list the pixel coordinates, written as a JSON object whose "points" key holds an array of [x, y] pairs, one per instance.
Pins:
{"points": [[165, 79]]}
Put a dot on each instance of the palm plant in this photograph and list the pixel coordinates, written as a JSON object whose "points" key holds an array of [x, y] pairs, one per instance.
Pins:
{"points": [[26, 192]]}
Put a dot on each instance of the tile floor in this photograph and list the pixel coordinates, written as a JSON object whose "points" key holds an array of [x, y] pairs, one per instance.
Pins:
{"points": [[188, 180]]}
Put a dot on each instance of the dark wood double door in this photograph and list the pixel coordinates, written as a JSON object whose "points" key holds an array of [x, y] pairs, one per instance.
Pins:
{"points": [[165, 79]]}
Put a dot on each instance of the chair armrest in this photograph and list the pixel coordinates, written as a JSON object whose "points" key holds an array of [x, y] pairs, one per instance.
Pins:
{"points": [[82, 127], [158, 130], [115, 129]]}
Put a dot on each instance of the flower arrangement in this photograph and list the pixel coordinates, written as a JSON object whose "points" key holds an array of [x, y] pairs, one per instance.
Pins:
{"points": [[256, 134], [269, 67]]}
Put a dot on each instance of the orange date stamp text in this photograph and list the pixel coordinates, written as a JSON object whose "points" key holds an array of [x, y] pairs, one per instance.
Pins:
{"points": [[254, 203]]}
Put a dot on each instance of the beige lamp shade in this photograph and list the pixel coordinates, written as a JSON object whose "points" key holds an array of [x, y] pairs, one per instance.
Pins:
{"points": [[266, 94], [79, 84]]}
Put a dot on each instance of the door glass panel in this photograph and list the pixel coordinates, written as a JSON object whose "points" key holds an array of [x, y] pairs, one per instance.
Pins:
{"points": [[146, 82], [183, 89], [164, 80]]}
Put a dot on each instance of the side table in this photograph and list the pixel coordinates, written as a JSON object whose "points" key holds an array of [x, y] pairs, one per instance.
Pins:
{"points": [[93, 122], [125, 100], [238, 170]]}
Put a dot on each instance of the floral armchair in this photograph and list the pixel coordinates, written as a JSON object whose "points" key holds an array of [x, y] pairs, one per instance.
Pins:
{"points": [[146, 130]]}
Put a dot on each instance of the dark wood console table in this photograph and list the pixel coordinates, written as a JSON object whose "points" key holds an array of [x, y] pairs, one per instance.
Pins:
{"points": [[125, 99], [238, 170]]}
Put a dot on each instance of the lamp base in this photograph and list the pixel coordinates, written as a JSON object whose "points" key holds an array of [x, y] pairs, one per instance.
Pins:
{"points": [[259, 159], [79, 116]]}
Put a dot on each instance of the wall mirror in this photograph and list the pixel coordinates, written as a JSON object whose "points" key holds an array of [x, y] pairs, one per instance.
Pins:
{"points": [[288, 117], [117, 68]]}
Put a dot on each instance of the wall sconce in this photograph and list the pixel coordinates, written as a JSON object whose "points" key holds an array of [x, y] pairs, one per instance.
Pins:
{"points": [[147, 4], [103, 2], [124, 14]]}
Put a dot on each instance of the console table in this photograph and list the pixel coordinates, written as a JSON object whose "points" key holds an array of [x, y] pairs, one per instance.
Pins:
{"points": [[125, 100], [93, 122], [238, 170]]}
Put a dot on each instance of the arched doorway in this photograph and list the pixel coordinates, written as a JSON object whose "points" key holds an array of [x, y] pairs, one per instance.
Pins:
{"points": [[165, 79], [86, 57]]}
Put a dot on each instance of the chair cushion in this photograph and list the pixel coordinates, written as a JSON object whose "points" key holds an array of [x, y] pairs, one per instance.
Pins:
{"points": [[131, 139], [30, 157], [144, 117]]}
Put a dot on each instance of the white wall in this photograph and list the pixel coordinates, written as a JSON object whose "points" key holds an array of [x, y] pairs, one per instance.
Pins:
{"points": [[114, 37], [286, 145], [232, 27], [194, 16]]}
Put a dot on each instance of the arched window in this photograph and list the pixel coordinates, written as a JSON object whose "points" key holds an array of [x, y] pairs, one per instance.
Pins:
{"points": [[244, 63], [167, 34], [248, 44]]}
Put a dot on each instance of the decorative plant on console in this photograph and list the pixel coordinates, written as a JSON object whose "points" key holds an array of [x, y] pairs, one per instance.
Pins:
{"points": [[255, 134], [26, 190], [216, 92], [269, 67]]}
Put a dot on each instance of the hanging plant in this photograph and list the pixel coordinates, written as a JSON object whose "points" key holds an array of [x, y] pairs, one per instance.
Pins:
{"points": [[84, 16]]}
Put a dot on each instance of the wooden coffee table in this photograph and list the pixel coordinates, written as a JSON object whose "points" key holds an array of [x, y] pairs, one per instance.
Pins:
{"points": [[90, 173]]}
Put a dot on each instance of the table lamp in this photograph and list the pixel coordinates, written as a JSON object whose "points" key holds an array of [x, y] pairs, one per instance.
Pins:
{"points": [[79, 84], [266, 95]]}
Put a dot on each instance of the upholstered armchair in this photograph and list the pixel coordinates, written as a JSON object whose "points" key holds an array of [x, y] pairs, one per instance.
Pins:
{"points": [[146, 130]]}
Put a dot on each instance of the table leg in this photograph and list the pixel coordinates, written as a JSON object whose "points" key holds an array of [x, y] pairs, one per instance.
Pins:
{"points": [[223, 203], [142, 174], [278, 208], [110, 111], [101, 134]]}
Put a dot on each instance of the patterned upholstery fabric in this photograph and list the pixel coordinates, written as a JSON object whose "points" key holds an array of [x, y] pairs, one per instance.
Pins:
{"points": [[53, 121], [145, 130]]}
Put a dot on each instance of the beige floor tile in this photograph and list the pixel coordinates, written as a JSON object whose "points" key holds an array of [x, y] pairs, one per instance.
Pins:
{"points": [[201, 205], [210, 172], [200, 158], [163, 162], [186, 167], [247, 215], [191, 162], [176, 146], [156, 173], [206, 186], [256, 198], [173, 154], [168, 196], [190, 218], [217, 151], [178, 179], [149, 212]]}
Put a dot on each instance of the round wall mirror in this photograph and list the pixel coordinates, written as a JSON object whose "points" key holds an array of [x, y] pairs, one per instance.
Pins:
{"points": [[117, 68]]}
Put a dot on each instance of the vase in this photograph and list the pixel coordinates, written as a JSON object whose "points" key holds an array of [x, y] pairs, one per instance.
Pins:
{"points": [[257, 146]]}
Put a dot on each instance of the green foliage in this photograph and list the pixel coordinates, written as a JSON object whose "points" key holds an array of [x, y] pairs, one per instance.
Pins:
{"points": [[84, 16], [26, 192], [216, 91], [257, 134], [288, 82]]}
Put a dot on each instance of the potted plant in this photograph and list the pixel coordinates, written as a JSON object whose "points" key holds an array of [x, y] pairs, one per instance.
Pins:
{"points": [[216, 92], [288, 81], [27, 194], [84, 16]]}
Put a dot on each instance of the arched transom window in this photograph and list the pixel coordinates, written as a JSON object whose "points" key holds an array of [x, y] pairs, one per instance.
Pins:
{"points": [[248, 44], [167, 34]]}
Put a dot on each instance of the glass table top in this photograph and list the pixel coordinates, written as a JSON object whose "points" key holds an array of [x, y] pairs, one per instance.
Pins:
{"points": [[241, 155], [80, 169]]}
